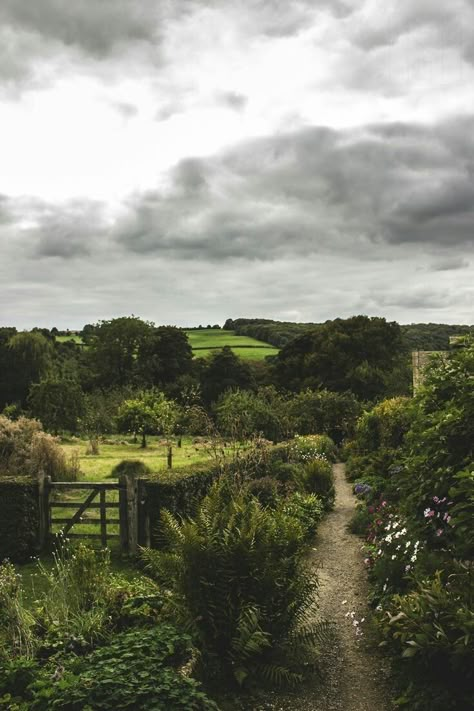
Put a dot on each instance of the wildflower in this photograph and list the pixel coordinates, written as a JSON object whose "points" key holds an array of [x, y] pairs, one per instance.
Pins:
{"points": [[407, 568], [439, 532], [393, 557]]}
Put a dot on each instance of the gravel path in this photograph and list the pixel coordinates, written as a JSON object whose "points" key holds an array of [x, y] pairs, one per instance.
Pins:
{"points": [[354, 676]]}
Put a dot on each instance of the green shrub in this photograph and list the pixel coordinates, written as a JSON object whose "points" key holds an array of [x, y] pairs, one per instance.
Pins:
{"points": [[266, 490], [303, 449], [25, 450], [286, 473], [236, 575], [307, 509], [432, 629], [136, 670], [129, 467], [179, 491], [19, 518], [318, 479]]}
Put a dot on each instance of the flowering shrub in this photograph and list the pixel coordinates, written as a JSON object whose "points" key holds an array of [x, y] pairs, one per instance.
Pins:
{"points": [[391, 550], [304, 449]]}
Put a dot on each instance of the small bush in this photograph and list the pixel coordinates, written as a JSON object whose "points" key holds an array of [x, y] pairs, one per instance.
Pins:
{"points": [[25, 450], [288, 474], [318, 479], [303, 449], [266, 490], [130, 467], [307, 509]]}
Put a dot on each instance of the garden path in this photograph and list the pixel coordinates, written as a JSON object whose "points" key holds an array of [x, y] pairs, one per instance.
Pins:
{"points": [[354, 673]]}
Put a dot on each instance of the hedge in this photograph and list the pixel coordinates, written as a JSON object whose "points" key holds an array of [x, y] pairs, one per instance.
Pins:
{"points": [[179, 490], [19, 518]]}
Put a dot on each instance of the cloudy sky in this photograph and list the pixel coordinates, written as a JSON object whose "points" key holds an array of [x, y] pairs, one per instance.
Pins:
{"points": [[193, 160]]}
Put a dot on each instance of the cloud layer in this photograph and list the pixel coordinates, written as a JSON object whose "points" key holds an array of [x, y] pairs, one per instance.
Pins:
{"points": [[197, 160]]}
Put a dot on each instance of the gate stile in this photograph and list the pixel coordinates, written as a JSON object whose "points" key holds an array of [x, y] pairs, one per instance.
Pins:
{"points": [[95, 488]]}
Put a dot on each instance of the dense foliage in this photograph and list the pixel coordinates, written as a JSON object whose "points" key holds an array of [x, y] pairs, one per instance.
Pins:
{"points": [[417, 507]]}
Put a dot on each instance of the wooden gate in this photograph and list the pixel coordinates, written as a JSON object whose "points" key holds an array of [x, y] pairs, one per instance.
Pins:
{"points": [[96, 500], [127, 511]]}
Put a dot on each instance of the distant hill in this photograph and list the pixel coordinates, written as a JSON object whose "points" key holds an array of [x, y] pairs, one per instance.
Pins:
{"points": [[416, 336]]}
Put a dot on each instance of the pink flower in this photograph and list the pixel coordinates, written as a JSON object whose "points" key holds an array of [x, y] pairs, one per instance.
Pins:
{"points": [[439, 531]]}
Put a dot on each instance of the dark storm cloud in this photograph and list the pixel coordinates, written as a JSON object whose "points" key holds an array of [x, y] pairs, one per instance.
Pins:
{"points": [[95, 27], [443, 25], [315, 190], [45, 230]]}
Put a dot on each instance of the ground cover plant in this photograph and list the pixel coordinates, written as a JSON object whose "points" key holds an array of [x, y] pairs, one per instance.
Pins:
{"points": [[416, 512], [90, 638]]}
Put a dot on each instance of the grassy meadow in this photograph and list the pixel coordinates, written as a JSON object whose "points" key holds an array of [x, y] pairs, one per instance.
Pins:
{"points": [[99, 468], [206, 341]]}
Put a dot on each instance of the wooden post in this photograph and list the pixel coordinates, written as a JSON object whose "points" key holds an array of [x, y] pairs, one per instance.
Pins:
{"points": [[170, 457], [123, 515], [129, 512], [43, 511], [103, 519], [144, 537]]}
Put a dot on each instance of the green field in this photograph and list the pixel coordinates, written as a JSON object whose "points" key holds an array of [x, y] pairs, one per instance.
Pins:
{"points": [[71, 337], [208, 340], [99, 467]]}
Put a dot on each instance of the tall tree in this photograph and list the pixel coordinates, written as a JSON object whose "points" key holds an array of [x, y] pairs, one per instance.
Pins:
{"points": [[224, 371], [57, 403], [345, 354], [31, 359], [114, 348], [164, 355]]}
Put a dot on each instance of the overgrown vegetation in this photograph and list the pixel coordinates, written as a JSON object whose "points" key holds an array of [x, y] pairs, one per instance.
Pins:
{"points": [[413, 465]]}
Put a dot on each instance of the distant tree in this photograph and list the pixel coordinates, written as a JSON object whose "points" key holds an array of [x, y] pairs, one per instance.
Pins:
{"points": [[147, 414], [58, 404], [114, 348], [31, 359], [224, 371], [163, 356], [345, 354]]}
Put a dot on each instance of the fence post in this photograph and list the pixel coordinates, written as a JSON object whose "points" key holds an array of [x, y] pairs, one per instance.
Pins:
{"points": [[144, 537], [128, 509], [43, 510]]}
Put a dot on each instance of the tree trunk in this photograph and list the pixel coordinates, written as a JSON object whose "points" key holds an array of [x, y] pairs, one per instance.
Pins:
{"points": [[143, 445]]}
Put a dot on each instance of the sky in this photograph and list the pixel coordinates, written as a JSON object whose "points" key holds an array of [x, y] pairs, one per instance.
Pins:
{"points": [[189, 161]]}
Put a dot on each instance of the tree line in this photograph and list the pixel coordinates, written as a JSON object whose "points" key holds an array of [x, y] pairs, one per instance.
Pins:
{"points": [[68, 385]]}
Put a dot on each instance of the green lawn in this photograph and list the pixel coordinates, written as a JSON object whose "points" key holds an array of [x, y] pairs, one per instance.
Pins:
{"points": [[206, 341]]}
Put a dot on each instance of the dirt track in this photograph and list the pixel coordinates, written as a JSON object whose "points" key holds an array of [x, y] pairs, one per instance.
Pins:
{"points": [[354, 674]]}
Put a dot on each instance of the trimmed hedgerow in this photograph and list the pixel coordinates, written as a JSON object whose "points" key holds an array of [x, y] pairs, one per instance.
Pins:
{"points": [[179, 491], [19, 518]]}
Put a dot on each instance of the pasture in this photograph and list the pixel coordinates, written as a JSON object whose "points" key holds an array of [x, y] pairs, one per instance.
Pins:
{"points": [[206, 341], [99, 467]]}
